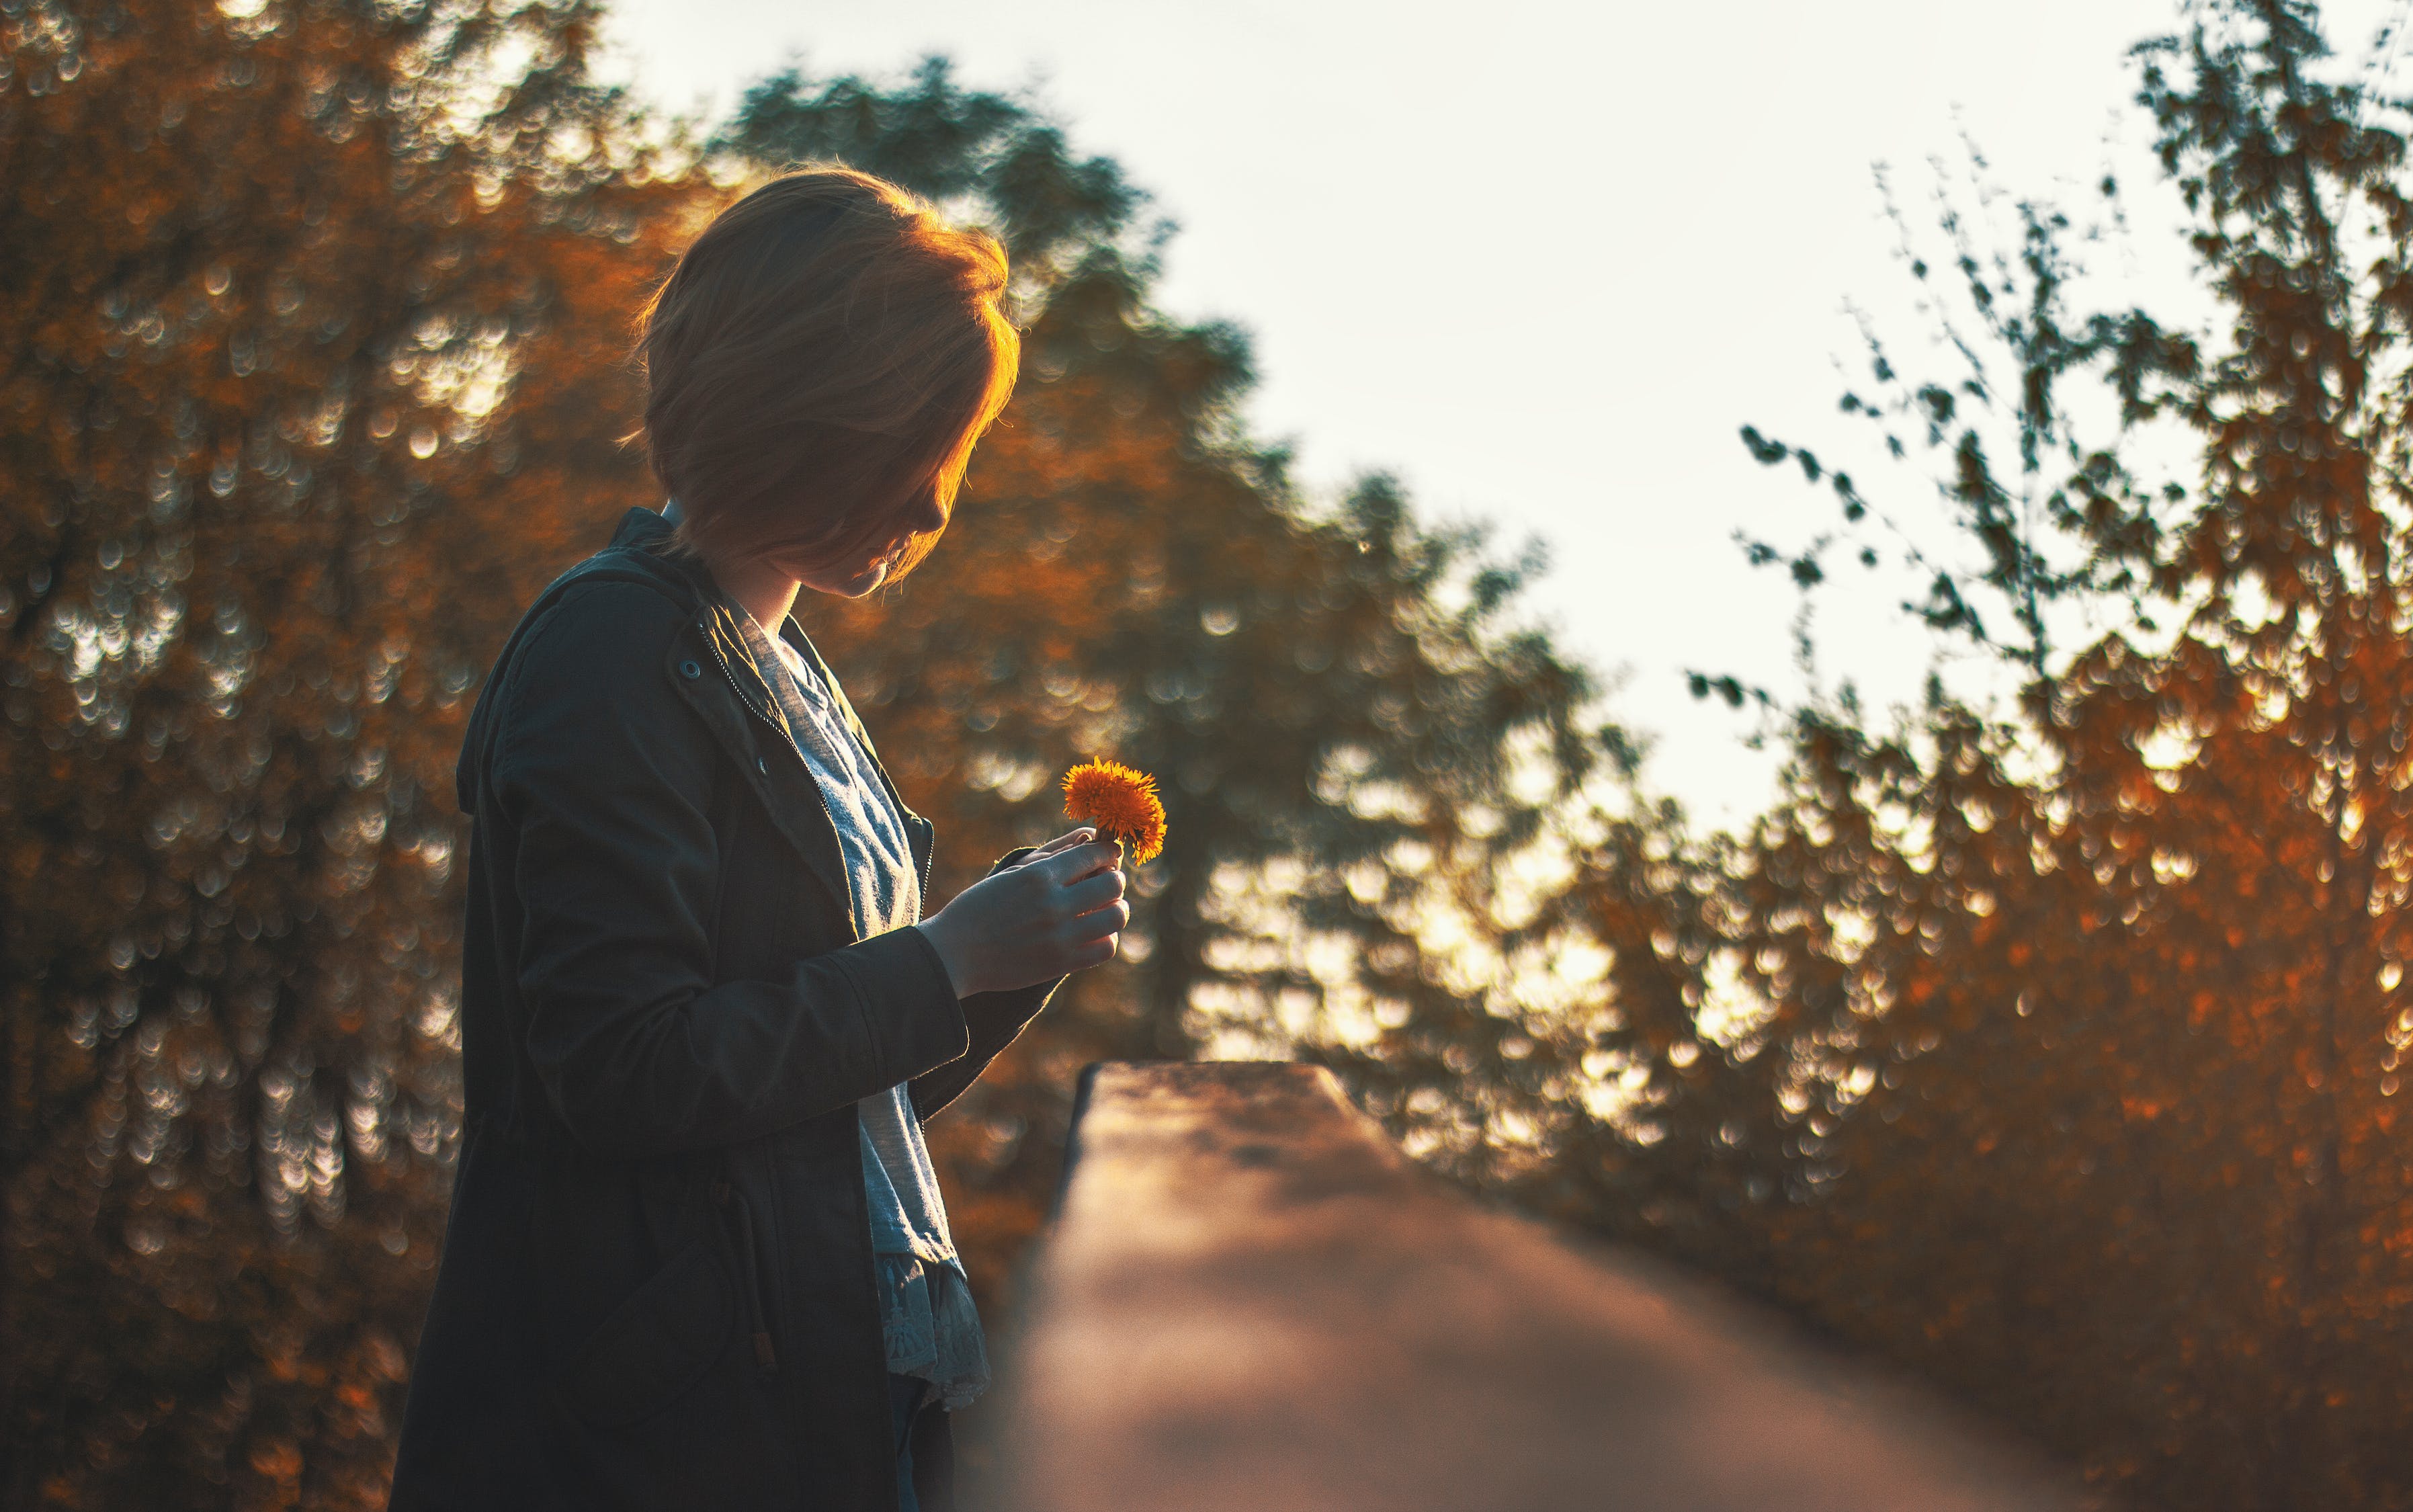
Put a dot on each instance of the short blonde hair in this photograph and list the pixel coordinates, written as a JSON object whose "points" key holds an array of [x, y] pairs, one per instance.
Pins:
{"points": [[825, 353]]}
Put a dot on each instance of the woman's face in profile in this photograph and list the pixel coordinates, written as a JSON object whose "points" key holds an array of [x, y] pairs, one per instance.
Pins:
{"points": [[850, 582], [853, 580]]}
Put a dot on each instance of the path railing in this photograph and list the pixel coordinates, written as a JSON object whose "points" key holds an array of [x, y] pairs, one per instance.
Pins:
{"points": [[1251, 1302]]}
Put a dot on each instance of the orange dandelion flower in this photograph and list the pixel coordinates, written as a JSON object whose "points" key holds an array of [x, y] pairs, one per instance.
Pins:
{"points": [[1120, 802]]}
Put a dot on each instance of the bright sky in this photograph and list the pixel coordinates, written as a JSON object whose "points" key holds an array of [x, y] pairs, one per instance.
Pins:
{"points": [[1542, 260]]}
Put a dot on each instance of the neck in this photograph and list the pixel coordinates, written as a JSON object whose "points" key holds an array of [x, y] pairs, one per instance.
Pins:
{"points": [[767, 592]]}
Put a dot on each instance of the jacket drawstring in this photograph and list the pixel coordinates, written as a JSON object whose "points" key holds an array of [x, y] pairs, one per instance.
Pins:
{"points": [[726, 1193]]}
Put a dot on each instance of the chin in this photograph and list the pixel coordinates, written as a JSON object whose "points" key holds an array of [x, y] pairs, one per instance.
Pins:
{"points": [[861, 582]]}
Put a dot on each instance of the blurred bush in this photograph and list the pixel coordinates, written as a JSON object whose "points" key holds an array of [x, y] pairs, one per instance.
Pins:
{"points": [[2048, 1045], [2048, 1038], [316, 327]]}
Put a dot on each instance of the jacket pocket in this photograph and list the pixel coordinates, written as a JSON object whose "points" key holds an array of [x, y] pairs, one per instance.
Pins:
{"points": [[729, 1200], [658, 1344]]}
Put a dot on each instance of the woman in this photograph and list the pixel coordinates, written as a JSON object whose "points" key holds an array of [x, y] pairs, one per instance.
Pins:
{"points": [[697, 1259]]}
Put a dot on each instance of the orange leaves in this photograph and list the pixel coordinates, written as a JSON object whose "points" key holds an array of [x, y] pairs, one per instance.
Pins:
{"points": [[1121, 802], [277, 1459]]}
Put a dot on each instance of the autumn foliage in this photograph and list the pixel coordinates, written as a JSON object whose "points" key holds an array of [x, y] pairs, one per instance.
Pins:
{"points": [[2057, 1035], [316, 368], [2048, 1045]]}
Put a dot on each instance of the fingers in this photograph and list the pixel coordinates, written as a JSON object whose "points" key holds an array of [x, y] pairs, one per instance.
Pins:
{"points": [[1041, 852], [1078, 861], [1070, 838], [1101, 924], [1092, 908], [1091, 892]]}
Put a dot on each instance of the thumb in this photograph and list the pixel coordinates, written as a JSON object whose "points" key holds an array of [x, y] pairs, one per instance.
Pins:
{"points": [[1064, 842]]}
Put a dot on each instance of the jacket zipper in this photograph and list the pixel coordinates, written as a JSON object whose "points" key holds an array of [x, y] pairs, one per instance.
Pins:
{"points": [[713, 644], [726, 1194], [766, 1359], [929, 857], [929, 851], [723, 1191], [894, 797]]}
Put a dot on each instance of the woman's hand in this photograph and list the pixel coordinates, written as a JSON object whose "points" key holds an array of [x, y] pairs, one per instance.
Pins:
{"points": [[1056, 911]]}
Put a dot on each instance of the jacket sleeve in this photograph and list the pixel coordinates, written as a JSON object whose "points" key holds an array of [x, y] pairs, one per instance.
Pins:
{"points": [[605, 779], [994, 1020]]}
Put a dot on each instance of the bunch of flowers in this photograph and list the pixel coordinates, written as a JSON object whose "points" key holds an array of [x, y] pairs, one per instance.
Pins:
{"points": [[1120, 802]]}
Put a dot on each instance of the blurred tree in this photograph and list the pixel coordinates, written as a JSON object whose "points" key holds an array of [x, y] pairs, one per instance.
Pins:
{"points": [[1350, 737], [2071, 1029], [316, 316], [312, 315]]}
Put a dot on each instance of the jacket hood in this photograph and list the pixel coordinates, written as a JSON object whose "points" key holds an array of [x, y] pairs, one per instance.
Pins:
{"points": [[632, 553]]}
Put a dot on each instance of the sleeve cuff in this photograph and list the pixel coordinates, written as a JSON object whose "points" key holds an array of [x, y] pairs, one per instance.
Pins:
{"points": [[914, 1021]]}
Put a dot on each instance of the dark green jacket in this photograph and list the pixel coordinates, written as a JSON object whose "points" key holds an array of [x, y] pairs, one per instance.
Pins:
{"points": [[657, 1288]]}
